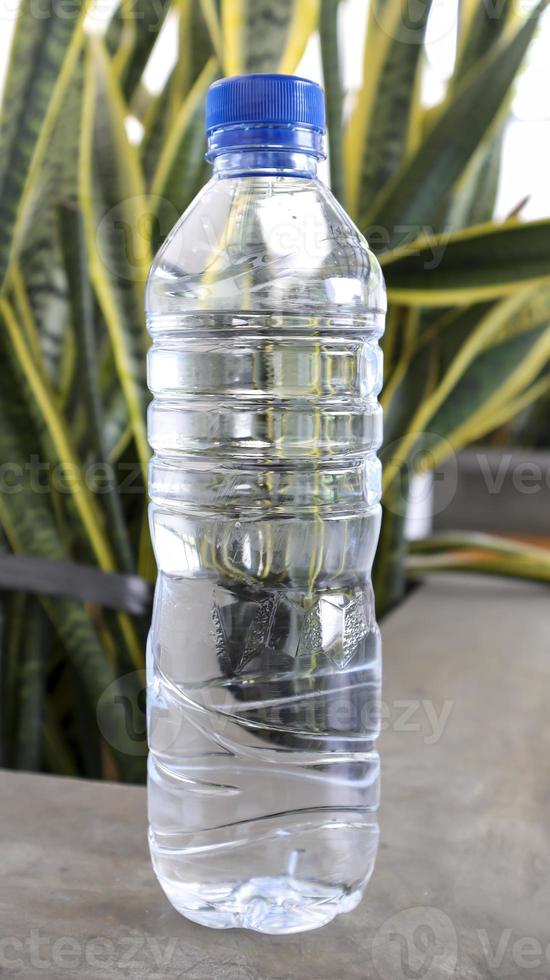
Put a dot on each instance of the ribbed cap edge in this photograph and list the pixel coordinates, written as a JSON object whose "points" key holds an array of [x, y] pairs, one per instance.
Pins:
{"points": [[265, 99]]}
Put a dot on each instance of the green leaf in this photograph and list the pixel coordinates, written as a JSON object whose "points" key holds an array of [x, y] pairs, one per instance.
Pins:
{"points": [[117, 432], [328, 25], [57, 178], [195, 49], [378, 147], [495, 387], [13, 622], [469, 371], [260, 36], [131, 36], [44, 53], [389, 564], [460, 356], [483, 361], [40, 296], [82, 721], [469, 266], [28, 521], [58, 757], [38, 278], [474, 197], [54, 423], [181, 168], [116, 427], [72, 236], [211, 13], [46, 409], [155, 128], [485, 27], [482, 553], [31, 687], [117, 224], [411, 199], [420, 369]]}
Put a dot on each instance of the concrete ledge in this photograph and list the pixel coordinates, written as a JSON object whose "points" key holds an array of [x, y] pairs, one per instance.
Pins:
{"points": [[462, 885]]}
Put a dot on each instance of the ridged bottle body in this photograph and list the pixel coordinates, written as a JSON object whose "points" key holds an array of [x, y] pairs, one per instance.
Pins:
{"points": [[265, 308]]}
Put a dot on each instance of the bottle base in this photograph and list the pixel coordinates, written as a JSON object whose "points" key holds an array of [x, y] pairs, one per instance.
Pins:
{"points": [[277, 906]]}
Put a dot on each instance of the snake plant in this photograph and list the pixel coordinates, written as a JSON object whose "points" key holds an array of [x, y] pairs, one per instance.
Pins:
{"points": [[94, 170]]}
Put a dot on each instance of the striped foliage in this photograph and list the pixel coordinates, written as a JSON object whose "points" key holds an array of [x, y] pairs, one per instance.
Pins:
{"points": [[83, 206], [423, 184]]}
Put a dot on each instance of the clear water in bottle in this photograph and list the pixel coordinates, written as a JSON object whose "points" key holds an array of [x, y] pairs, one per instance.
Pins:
{"points": [[265, 307]]}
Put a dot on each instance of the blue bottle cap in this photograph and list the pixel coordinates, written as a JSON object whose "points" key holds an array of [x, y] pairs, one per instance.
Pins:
{"points": [[274, 100], [269, 110]]}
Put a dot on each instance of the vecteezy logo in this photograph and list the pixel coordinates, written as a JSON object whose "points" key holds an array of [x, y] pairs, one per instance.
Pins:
{"points": [[416, 944], [124, 232], [121, 714]]}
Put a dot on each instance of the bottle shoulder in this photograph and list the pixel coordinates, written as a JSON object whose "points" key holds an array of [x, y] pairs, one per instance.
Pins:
{"points": [[266, 244]]}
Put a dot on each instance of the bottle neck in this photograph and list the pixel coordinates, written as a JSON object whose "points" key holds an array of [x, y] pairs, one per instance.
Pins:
{"points": [[278, 150], [264, 161]]}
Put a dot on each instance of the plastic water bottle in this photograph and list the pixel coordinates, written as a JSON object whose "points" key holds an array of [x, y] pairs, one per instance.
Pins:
{"points": [[265, 307]]}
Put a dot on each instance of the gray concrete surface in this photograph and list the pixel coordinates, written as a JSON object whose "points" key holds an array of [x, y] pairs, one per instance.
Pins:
{"points": [[462, 885]]}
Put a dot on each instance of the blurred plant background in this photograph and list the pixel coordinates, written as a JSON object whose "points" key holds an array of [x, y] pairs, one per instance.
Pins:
{"points": [[94, 170]]}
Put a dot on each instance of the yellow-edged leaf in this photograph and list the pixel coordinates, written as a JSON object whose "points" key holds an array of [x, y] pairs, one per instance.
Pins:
{"points": [[411, 199], [260, 36], [116, 216], [477, 264], [381, 126], [43, 58]]}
